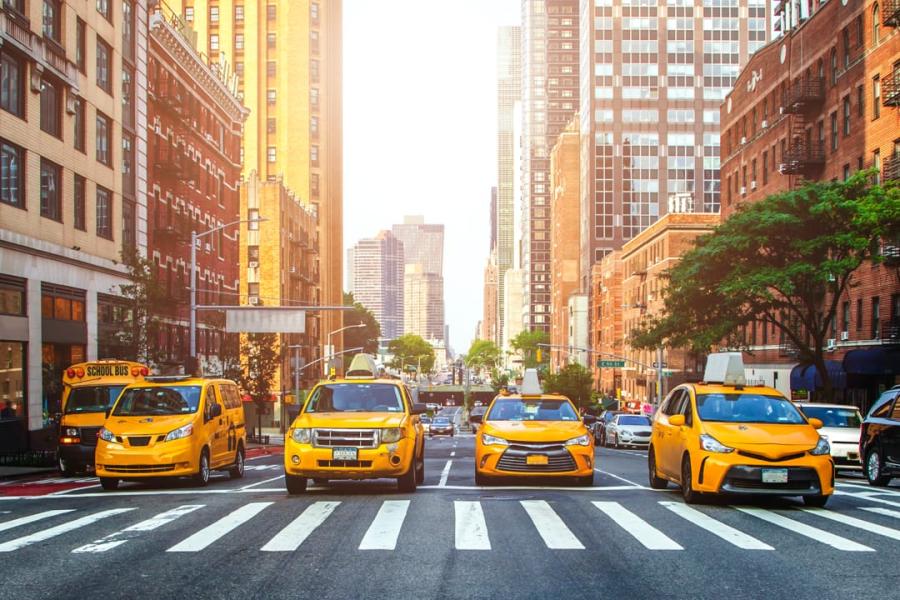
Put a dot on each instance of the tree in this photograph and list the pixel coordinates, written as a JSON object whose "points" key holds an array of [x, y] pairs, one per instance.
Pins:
{"points": [[527, 342], [499, 379], [363, 337], [409, 349], [784, 261], [147, 301], [259, 361], [573, 381], [483, 354]]}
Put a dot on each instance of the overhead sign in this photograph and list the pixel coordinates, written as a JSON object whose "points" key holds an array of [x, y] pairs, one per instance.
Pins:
{"points": [[610, 364], [262, 320]]}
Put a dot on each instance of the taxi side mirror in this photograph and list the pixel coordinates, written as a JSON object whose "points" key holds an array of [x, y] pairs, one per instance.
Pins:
{"points": [[215, 411], [589, 419], [419, 409], [817, 423], [676, 420], [476, 418]]}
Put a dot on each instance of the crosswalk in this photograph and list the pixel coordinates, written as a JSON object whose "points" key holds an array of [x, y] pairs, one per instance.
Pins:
{"points": [[666, 525]]}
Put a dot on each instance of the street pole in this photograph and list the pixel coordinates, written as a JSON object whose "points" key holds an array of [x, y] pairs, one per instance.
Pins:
{"points": [[193, 332], [331, 353], [659, 375], [297, 373]]}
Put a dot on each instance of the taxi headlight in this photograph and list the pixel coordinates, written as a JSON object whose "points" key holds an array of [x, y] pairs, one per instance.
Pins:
{"points": [[181, 432], [711, 444], [823, 447], [391, 435], [301, 436], [490, 440], [106, 435], [581, 440]]}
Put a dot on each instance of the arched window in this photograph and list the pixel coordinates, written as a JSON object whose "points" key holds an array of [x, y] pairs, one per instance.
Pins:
{"points": [[876, 23], [821, 69]]}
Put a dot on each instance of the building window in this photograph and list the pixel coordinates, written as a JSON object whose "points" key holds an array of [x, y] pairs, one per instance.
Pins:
{"points": [[834, 131], [51, 20], [845, 317], [314, 12], [271, 96], [51, 192], [270, 40], [314, 155], [78, 122], [189, 14], [314, 126], [238, 13], [876, 318], [128, 226], [270, 68], [127, 97], [104, 213], [876, 164], [846, 38], [846, 171], [12, 84], [239, 69], [859, 314], [12, 300], [12, 175], [103, 8], [765, 167], [104, 66], [271, 12], [314, 97], [128, 29], [876, 97], [81, 46], [239, 42], [51, 108], [214, 42], [847, 115], [270, 125], [834, 66], [860, 28], [860, 101], [876, 23], [104, 138], [214, 14], [271, 155], [62, 304], [79, 194], [128, 173]]}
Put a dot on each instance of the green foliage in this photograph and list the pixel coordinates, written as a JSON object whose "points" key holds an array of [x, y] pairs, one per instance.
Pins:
{"points": [[482, 354], [499, 379], [364, 337], [527, 342], [573, 381], [260, 360], [147, 301], [408, 350]]}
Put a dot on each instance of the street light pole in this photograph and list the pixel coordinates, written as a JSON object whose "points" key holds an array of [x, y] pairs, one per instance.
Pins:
{"points": [[331, 353]]}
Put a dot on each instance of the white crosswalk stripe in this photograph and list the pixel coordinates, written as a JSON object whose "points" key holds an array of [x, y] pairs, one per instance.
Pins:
{"points": [[118, 538], [52, 532], [32, 518], [551, 527], [813, 533], [882, 511], [726, 532], [290, 538], [208, 535], [854, 522], [385, 529], [648, 535], [471, 529]]}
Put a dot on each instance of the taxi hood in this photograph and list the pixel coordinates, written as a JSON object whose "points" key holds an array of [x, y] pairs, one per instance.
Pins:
{"points": [[769, 439], [147, 425], [535, 431], [348, 420]]}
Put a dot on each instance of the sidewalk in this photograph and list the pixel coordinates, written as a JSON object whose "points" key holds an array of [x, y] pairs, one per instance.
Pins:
{"points": [[16, 472]]}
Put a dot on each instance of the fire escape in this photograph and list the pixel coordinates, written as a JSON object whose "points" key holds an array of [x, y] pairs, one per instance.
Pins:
{"points": [[803, 154]]}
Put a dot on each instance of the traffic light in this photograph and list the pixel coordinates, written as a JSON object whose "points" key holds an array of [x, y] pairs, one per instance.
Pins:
{"points": [[539, 355]]}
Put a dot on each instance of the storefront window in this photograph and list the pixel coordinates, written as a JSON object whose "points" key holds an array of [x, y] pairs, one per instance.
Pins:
{"points": [[55, 359], [12, 380]]}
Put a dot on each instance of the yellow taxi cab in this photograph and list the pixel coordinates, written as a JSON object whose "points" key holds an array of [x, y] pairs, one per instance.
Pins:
{"points": [[723, 437], [358, 427], [532, 434], [173, 426], [89, 389]]}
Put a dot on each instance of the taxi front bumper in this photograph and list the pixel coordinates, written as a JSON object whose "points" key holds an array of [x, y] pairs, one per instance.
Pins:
{"points": [[386, 460], [739, 474], [163, 459], [514, 461]]}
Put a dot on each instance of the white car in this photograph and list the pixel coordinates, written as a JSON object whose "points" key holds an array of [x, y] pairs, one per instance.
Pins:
{"points": [[629, 430], [841, 427]]}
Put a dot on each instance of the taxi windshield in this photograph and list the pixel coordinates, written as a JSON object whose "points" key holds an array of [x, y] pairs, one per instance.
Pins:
{"points": [[355, 397], [747, 408], [158, 400], [832, 416], [92, 399], [531, 409]]}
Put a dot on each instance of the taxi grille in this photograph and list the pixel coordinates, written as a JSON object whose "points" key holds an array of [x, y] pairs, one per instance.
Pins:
{"points": [[139, 468], [359, 464], [89, 435], [518, 462], [138, 440], [769, 459], [357, 438]]}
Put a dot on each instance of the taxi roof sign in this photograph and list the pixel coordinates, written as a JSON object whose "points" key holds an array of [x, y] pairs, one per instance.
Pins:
{"points": [[531, 384], [362, 367], [726, 368]]}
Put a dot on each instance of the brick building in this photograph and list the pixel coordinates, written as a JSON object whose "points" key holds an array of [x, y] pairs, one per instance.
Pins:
{"points": [[607, 337], [819, 103]]}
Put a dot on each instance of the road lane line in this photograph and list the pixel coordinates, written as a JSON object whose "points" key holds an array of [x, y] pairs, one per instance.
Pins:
{"points": [[726, 532], [619, 478], [881, 511], [290, 538], [114, 540], [445, 474], [46, 534], [869, 489], [385, 529], [471, 529], [253, 485], [32, 518], [210, 534], [648, 535], [888, 532], [867, 498], [805, 530], [551, 527]]}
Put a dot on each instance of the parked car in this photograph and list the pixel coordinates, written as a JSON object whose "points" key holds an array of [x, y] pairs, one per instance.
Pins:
{"points": [[600, 426], [841, 427], [629, 430], [441, 426], [879, 439], [475, 417], [426, 423]]}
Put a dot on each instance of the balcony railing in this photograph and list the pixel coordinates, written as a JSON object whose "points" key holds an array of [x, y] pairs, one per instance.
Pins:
{"points": [[17, 28], [800, 157], [890, 89], [170, 162], [804, 93], [890, 13], [54, 57], [890, 168]]}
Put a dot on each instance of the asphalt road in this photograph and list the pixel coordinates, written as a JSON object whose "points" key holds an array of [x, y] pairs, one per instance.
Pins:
{"points": [[248, 539]]}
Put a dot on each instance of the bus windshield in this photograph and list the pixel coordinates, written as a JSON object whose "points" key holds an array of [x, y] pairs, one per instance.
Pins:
{"points": [[92, 399]]}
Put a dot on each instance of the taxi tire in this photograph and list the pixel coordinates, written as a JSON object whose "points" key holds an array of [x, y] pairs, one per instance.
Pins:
{"points": [[880, 479], [656, 482], [295, 484], [816, 501], [420, 470], [64, 468], [237, 471], [201, 478], [109, 483], [406, 483], [687, 483]]}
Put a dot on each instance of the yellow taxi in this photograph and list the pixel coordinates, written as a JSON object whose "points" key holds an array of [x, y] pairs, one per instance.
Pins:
{"points": [[532, 434], [723, 437], [89, 389], [358, 427], [173, 426]]}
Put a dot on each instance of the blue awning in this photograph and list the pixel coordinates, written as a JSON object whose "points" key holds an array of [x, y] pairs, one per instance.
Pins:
{"points": [[873, 361], [807, 377]]}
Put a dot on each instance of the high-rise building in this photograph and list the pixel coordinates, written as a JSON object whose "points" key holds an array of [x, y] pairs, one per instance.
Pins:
{"points": [[378, 280], [514, 280], [489, 318], [654, 76], [72, 193], [349, 270], [550, 69], [509, 97], [287, 57], [423, 307], [423, 244]]}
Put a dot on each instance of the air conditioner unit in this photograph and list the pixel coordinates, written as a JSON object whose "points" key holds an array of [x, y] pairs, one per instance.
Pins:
{"points": [[765, 124], [254, 300], [780, 110], [743, 140], [208, 247], [845, 335], [830, 344], [253, 264], [752, 185], [743, 191]]}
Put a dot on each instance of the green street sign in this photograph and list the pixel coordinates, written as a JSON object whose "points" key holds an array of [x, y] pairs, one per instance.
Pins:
{"points": [[610, 364]]}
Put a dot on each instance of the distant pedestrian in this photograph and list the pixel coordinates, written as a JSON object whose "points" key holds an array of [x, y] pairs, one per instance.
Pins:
{"points": [[8, 411]]}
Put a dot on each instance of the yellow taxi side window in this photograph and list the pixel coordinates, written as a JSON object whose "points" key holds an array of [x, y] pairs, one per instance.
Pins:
{"points": [[211, 399], [686, 409], [674, 403]]}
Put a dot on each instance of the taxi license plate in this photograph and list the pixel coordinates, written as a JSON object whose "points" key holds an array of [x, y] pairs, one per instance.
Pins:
{"points": [[536, 459], [775, 476], [344, 453]]}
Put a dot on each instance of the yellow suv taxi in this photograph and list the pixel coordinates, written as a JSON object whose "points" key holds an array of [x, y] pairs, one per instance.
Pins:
{"points": [[173, 426], [533, 435], [723, 437], [358, 427]]}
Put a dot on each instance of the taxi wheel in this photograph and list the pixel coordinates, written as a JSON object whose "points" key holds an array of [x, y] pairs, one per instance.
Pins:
{"points": [[875, 470], [687, 483], [615, 441], [295, 484], [64, 467], [816, 501], [420, 471], [109, 483], [202, 476], [656, 482], [237, 471], [407, 482]]}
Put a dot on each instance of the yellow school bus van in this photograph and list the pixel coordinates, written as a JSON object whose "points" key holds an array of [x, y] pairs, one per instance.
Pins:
{"points": [[89, 389], [173, 426]]}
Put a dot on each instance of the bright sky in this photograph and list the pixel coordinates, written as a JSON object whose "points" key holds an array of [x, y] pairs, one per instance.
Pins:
{"points": [[420, 130]]}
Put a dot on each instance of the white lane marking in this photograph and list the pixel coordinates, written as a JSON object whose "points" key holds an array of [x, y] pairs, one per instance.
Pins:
{"points": [[613, 475], [445, 474], [648, 535], [32, 518], [77, 489], [452, 454], [867, 497], [385, 529], [551, 527], [869, 489], [882, 511], [253, 485], [116, 539], [726, 532], [211, 533], [805, 530], [471, 529], [290, 538], [854, 522], [46, 534]]}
